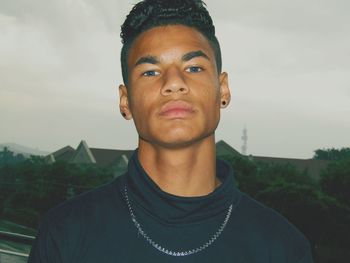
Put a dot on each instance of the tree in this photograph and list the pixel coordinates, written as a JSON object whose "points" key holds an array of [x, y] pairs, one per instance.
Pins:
{"points": [[332, 154], [335, 180], [319, 215], [8, 157], [30, 188]]}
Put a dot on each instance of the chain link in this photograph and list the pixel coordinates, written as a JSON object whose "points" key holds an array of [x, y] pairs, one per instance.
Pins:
{"points": [[168, 251]]}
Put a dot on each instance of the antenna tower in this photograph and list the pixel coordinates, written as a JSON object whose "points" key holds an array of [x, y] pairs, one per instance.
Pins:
{"points": [[245, 141]]}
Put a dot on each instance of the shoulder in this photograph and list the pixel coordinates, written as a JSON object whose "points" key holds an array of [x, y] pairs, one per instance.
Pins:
{"points": [[68, 227], [85, 204], [90, 210], [281, 238]]}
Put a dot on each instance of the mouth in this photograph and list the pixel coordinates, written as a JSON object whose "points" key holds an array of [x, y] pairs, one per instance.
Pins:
{"points": [[176, 110]]}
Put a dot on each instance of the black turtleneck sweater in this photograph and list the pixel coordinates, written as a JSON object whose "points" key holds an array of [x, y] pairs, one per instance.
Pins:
{"points": [[131, 220]]}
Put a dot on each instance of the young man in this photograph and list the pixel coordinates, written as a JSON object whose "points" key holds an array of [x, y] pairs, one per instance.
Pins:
{"points": [[176, 203]]}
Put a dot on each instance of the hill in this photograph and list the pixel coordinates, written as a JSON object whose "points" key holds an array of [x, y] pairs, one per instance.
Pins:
{"points": [[26, 151]]}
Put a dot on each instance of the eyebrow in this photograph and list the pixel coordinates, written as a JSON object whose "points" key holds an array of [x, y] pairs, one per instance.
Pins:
{"points": [[187, 57], [147, 60], [193, 54]]}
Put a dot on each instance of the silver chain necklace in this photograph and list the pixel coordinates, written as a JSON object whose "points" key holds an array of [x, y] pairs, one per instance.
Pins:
{"points": [[168, 251]]}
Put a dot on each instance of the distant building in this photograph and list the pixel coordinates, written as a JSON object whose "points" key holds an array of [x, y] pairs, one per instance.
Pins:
{"points": [[312, 166], [245, 141], [118, 160]]}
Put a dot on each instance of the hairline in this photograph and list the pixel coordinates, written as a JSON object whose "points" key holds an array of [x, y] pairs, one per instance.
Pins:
{"points": [[127, 46]]}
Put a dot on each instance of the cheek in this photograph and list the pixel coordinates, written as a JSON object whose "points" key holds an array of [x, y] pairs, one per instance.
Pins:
{"points": [[212, 103], [141, 109], [210, 96]]}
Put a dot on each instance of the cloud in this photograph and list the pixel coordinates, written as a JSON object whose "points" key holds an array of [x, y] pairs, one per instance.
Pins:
{"points": [[287, 63], [305, 17], [52, 46]]}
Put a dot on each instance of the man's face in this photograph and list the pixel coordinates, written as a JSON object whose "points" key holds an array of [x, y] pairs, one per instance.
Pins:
{"points": [[174, 89]]}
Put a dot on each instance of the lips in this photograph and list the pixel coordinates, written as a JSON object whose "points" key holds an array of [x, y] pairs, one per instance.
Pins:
{"points": [[176, 109]]}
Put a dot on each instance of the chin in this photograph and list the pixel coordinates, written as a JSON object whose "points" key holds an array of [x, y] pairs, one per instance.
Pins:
{"points": [[177, 142], [175, 136]]}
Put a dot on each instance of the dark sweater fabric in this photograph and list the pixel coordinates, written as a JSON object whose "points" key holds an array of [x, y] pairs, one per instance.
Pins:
{"points": [[97, 226]]}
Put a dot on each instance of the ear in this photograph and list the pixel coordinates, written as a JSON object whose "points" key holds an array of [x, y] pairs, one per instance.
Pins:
{"points": [[225, 94], [124, 102]]}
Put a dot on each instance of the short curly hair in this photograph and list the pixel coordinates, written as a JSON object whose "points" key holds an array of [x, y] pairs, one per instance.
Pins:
{"points": [[148, 14]]}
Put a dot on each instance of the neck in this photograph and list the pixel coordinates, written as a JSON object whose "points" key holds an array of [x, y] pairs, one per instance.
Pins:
{"points": [[187, 171]]}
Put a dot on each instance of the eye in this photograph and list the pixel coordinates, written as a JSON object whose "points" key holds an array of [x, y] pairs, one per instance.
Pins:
{"points": [[150, 73], [194, 69]]}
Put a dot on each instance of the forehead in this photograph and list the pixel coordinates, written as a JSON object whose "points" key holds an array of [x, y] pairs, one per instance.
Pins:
{"points": [[169, 40]]}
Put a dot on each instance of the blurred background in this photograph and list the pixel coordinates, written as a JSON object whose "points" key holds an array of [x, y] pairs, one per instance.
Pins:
{"points": [[286, 130], [288, 65]]}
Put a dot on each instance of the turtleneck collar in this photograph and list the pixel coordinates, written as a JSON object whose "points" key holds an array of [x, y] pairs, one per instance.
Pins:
{"points": [[172, 209]]}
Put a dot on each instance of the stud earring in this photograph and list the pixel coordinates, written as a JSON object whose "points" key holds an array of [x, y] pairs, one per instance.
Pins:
{"points": [[223, 103], [124, 114]]}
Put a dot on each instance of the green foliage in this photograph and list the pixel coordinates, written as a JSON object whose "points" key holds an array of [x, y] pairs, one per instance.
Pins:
{"points": [[30, 188], [22, 215], [335, 180], [332, 154], [8, 157], [244, 171], [319, 212], [253, 176], [320, 217], [320, 209]]}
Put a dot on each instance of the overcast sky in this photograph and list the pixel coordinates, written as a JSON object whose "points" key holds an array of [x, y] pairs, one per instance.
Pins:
{"points": [[288, 64]]}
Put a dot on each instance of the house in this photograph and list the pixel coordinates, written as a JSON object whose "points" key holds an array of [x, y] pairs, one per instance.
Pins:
{"points": [[118, 160], [312, 166]]}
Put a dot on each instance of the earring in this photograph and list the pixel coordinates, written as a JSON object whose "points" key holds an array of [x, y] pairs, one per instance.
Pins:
{"points": [[223, 102], [124, 114]]}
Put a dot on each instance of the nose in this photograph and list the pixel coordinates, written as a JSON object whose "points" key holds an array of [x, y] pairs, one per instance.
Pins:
{"points": [[174, 82]]}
